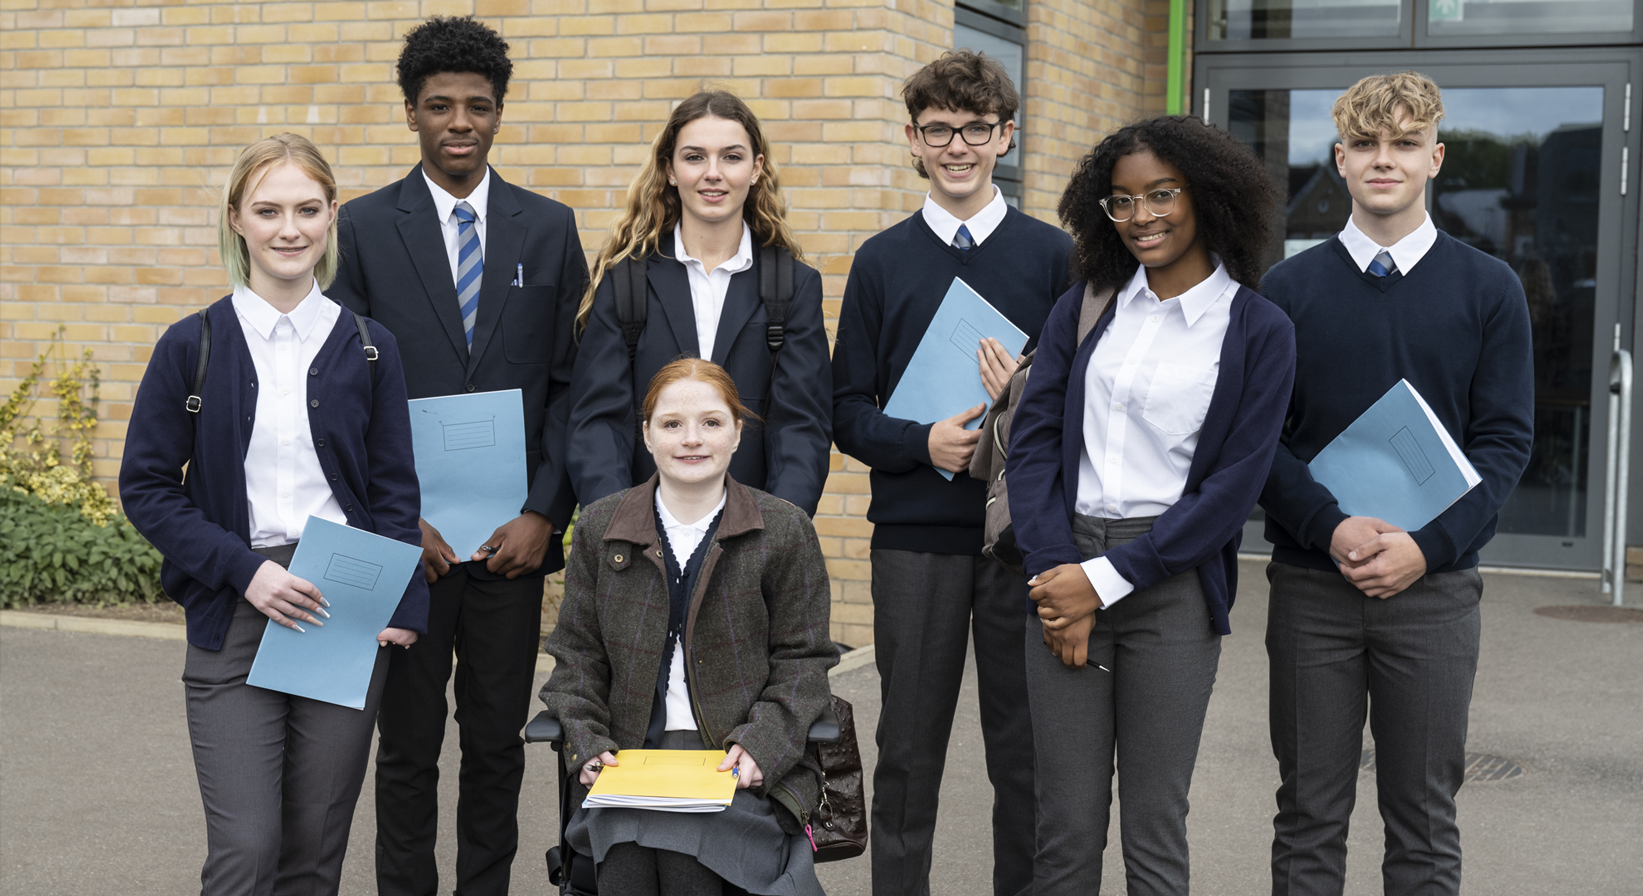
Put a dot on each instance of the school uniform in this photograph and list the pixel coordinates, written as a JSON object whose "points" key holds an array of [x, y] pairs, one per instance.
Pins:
{"points": [[717, 315], [290, 424], [1138, 454], [481, 293]]}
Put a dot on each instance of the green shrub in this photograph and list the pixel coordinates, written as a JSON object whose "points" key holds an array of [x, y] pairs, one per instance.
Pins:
{"points": [[51, 553]]}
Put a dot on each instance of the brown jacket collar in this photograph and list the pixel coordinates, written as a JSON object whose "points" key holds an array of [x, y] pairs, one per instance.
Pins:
{"points": [[635, 518]]}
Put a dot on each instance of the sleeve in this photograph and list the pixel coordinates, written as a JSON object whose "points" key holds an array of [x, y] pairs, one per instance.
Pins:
{"points": [[1294, 500], [1206, 518], [394, 495], [1037, 491], [862, 430], [601, 430], [349, 289], [159, 442], [1498, 435], [801, 651], [551, 492], [798, 426], [578, 691]]}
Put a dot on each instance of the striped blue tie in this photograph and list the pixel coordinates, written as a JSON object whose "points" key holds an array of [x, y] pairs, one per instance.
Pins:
{"points": [[962, 240], [470, 266], [1383, 265]]}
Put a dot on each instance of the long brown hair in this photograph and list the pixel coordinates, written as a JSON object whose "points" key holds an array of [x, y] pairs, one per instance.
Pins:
{"points": [[653, 205]]}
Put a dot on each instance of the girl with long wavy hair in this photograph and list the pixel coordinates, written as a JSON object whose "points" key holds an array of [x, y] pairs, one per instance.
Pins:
{"points": [[704, 219]]}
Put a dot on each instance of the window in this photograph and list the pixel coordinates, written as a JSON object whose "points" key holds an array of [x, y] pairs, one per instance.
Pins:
{"points": [[999, 35]]}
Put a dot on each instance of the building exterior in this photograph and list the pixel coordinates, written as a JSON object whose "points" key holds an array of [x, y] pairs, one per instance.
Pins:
{"points": [[119, 121]]}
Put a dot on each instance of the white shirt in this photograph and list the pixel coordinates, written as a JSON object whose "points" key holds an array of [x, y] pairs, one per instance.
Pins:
{"points": [[981, 225], [445, 204], [1406, 253], [682, 539], [284, 482], [708, 288], [1147, 390]]}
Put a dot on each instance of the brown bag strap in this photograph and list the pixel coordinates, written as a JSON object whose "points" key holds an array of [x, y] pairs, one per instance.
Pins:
{"points": [[1095, 305]]}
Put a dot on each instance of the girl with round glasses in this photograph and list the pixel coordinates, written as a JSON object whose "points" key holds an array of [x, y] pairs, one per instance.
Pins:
{"points": [[1140, 446]]}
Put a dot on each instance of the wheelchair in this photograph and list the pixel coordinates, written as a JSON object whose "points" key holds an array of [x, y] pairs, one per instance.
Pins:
{"points": [[574, 873]]}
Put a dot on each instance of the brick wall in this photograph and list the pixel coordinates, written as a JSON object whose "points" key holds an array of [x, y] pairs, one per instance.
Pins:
{"points": [[118, 122]]}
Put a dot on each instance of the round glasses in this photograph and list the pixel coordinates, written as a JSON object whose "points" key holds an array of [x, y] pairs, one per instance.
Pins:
{"points": [[976, 133], [1158, 202]]}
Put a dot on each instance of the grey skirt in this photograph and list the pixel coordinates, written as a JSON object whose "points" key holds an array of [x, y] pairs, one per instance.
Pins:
{"points": [[744, 844]]}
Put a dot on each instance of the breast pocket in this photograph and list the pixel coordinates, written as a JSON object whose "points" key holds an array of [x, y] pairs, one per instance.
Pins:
{"points": [[1178, 398], [527, 324]]}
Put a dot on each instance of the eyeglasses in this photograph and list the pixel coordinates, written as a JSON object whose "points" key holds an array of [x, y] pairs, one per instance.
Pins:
{"points": [[976, 133], [1158, 202]]}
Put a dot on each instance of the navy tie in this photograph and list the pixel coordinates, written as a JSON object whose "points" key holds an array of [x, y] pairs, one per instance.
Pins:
{"points": [[470, 266], [962, 240], [1383, 265]]}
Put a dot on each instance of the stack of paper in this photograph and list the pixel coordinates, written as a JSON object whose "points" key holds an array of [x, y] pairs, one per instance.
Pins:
{"points": [[664, 780], [1395, 462]]}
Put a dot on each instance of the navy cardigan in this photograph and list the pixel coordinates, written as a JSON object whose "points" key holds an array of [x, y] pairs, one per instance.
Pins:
{"points": [[1235, 446], [201, 524]]}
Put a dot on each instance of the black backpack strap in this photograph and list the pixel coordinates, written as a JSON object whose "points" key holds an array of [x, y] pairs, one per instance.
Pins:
{"points": [[776, 292], [632, 307], [371, 352], [193, 403]]}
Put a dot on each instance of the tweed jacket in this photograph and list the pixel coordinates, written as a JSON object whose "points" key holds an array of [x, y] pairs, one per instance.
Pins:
{"points": [[757, 645]]}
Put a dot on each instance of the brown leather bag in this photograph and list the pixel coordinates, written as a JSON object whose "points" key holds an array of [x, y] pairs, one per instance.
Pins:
{"points": [[838, 829], [987, 464]]}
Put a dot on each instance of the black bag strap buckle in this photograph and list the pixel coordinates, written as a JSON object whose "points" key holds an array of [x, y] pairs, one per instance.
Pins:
{"points": [[193, 404]]}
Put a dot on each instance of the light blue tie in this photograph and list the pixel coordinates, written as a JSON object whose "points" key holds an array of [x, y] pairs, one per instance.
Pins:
{"points": [[962, 240], [1383, 265], [470, 266]]}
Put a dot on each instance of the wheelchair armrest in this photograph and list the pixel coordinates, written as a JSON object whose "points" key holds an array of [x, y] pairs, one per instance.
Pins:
{"points": [[544, 728], [825, 730]]}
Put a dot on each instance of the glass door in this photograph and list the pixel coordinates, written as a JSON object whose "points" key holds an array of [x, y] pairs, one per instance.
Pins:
{"points": [[1531, 175]]}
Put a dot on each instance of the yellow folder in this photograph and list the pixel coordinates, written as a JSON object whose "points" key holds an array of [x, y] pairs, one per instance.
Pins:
{"points": [[667, 780]]}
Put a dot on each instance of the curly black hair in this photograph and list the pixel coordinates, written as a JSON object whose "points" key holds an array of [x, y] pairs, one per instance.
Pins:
{"points": [[1232, 194], [453, 44]]}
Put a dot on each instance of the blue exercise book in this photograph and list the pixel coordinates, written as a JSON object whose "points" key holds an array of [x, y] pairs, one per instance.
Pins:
{"points": [[1395, 462], [470, 463], [363, 576], [943, 377]]}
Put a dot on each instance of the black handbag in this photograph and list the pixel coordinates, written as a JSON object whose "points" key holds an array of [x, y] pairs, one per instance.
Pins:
{"points": [[838, 829]]}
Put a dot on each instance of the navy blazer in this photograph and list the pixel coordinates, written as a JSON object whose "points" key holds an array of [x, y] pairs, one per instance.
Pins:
{"points": [[785, 454], [1200, 531], [395, 270], [201, 524]]}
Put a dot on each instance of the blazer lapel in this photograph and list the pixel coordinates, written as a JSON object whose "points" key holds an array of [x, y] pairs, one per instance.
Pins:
{"points": [[741, 300], [504, 244], [426, 245], [667, 276]]}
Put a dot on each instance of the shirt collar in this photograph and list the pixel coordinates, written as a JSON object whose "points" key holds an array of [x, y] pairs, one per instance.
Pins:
{"points": [[263, 317], [445, 203], [741, 261], [1195, 301], [945, 224], [669, 522], [1405, 252]]}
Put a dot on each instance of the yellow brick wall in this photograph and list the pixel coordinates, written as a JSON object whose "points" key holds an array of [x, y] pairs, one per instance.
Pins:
{"points": [[118, 122]]}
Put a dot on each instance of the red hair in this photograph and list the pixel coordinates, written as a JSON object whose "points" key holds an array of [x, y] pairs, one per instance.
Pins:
{"points": [[702, 372]]}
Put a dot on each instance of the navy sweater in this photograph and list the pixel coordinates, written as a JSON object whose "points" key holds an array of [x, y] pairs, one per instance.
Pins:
{"points": [[1456, 326], [202, 524], [1203, 528], [897, 282]]}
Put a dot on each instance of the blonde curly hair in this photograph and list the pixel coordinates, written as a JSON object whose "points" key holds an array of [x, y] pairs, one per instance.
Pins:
{"points": [[1375, 104]]}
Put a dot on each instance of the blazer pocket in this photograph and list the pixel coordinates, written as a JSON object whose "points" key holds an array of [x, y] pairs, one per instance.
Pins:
{"points": [[527, 324], [1178, 398]]}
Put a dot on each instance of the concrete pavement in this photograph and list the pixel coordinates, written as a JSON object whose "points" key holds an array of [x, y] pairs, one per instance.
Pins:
{"points": [[97, 790]]}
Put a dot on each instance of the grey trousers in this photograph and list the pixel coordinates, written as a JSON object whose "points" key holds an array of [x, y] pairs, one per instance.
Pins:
{"points": [[925, 607], [1408, 661], [279, 774], [1162, 652]]}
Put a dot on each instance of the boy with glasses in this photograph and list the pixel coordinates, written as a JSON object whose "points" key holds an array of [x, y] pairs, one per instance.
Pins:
{"points": [[1366, 618], [929, 577]]}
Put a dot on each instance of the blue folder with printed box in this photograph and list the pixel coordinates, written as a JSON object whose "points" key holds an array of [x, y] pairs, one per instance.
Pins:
{"points": [[470, 463], [1395, 462], [363, 576], [943, 377]]}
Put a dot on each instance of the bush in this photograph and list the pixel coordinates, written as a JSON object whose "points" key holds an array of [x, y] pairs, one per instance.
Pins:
{"points": [[50, 553]]}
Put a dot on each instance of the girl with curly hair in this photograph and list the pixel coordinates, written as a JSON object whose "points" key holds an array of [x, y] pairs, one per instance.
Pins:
{"points": [[704, 224], [1141, 444]]}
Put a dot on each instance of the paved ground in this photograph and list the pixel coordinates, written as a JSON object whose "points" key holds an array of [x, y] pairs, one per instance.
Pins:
{"points": [[97, 791]]}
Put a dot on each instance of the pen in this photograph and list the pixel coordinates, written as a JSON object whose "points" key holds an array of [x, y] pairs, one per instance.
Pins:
{"points": [[519, 274]]}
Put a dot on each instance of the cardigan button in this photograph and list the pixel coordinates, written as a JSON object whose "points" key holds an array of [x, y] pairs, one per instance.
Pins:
{"points": [[470, 387], [313, 402], [313, 371], [349, 508], [319, 443], [333, 477]]}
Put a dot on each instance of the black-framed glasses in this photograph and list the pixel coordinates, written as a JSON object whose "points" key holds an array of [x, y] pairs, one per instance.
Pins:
{"points": [[1159, 203], [976, 133]]}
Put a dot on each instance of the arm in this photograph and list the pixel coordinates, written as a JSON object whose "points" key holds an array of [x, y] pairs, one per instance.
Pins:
{"points": [[1038, 508], [796, 591], [861, 429], [349, 289], [600, 432], [551, 494], [394, 495], [798, 424], [1296, 501], [578, 692]]}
